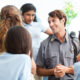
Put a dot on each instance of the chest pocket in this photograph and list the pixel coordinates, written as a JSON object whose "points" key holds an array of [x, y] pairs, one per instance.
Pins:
{"points": [[69, 58], [51, 60]]}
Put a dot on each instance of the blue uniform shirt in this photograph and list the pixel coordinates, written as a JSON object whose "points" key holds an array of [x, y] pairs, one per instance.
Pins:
{"points": [[76, 71], [35, 29], [15, 66]]}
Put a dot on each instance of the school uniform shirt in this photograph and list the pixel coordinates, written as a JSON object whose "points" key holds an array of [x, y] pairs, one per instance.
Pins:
{"points": [[76, 68], [15, 66], [35, 29]]}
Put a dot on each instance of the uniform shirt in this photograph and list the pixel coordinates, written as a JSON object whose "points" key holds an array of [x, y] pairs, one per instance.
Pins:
{"points": [[76, 71], [35, 30], [52, 53], [15, 66]]}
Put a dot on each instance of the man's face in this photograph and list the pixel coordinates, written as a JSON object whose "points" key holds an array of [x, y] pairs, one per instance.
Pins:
{"points": [[29, 16], [55, 24]]}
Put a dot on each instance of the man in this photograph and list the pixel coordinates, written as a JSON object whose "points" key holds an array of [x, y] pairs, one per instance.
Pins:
{"points": [[56, 50]]}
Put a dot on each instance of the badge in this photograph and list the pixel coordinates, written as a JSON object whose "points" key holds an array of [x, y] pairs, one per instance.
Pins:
{"points": [[72, 49], [52, 39]]}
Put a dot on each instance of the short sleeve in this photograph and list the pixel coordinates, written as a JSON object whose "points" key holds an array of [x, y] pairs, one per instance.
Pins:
{"points": [[76, 68], [40, 56], [43, 28]]}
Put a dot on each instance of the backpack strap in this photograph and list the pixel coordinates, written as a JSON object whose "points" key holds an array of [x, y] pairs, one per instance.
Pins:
{"points": [[75, 43]]}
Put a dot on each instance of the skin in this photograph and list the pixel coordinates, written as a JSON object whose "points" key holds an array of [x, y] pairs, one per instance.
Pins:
{"points": [[61, 68], [29, 16], [57, 27], [79, 43], [78, 57]]}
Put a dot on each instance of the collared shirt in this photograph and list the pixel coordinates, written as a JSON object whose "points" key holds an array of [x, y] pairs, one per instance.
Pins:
{"points": [[35, 30], [15, 66], [52, 53], [76, 71]]}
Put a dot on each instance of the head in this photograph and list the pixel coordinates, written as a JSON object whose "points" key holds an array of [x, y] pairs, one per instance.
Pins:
{"points": [[57, 20], [18, 41], [28, 12], [9, 16]]}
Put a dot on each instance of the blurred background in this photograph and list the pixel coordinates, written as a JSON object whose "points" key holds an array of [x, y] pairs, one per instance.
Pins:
{"points": [[70, 7]]}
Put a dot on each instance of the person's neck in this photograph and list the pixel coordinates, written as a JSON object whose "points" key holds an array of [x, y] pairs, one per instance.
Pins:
{"points": [[61, 36]]}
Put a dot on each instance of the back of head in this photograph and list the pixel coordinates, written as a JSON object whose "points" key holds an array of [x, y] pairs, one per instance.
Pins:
{"points": [[27, 7], [59, 14], [18, 40], [11, 14]]}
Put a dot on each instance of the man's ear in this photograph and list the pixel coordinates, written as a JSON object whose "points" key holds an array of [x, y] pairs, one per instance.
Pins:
{"points": [[63, 20]]}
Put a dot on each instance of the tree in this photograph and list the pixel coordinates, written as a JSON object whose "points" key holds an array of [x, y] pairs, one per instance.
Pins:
{"points": [[70, 13]]}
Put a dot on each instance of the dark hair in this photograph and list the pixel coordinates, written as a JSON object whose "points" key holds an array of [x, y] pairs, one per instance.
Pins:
{"points": [[27, 7], [59, 14], [18, 41], [79, 35]]}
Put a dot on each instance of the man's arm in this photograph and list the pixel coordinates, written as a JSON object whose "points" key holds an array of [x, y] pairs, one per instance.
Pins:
{"points": [[61, 70], [69, 70], [44, 72]]}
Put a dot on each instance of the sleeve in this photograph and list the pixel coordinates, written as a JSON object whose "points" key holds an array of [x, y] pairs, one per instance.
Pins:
{"points": [[76, 71], [43, 28], [76, 68], [26, 70], [40, 56]]}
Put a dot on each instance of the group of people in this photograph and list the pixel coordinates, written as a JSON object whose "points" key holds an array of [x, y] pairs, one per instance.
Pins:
{"points": [[23, 57]]}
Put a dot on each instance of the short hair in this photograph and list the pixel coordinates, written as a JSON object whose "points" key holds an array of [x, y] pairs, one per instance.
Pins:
{"points": [[18, 41], [59, 14], [27, 7], [79, 35]]}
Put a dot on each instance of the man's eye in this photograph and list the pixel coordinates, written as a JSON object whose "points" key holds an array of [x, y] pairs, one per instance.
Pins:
{"points": [[33, 15], [53, 20], [27, 15]]}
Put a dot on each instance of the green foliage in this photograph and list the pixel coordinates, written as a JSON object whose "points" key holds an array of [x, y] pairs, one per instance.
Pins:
{"points": [[70, 13]]}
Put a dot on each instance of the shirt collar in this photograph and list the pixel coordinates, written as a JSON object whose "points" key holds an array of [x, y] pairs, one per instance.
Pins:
{"points": [[55, 38], [27, 24]]}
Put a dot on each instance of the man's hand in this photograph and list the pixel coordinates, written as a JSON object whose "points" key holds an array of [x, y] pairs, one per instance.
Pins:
{"points": [[60, 70]]}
